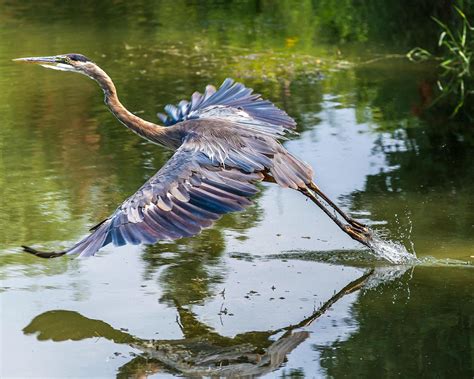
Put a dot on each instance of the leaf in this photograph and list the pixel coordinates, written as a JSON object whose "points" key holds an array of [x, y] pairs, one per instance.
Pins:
{"points": [[461, 13], [445, 64], [463, 38], [441, 38], [445, 28], [463, 56], [418, 54]]}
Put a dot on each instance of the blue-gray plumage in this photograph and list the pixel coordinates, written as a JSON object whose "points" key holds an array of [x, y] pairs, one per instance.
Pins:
{"points": [[225, 141]]}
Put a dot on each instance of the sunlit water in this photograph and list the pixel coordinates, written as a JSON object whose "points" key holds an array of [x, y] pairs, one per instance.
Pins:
{"points": [[241, 285]]}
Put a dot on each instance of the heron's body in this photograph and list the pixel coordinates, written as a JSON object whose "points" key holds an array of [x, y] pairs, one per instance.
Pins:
{"points": [[225, 142]]}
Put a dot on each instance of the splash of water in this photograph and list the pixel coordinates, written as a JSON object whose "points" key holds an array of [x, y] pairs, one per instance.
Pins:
{"points": [[391, 251]]}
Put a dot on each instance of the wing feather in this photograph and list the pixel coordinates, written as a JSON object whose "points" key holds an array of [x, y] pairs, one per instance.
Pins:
{"points": [[213, 172], [186, 195], [235, 102]]}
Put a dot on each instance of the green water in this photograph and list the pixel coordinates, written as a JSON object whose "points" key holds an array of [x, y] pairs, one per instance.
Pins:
{"points": [[232, 297]]}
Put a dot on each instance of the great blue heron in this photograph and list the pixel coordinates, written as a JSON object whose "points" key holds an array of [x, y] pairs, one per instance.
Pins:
{"points": [[225, 142]]}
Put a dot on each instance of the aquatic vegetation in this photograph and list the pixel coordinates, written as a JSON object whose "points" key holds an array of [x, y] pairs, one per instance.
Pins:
{"points": [[455, 81]]}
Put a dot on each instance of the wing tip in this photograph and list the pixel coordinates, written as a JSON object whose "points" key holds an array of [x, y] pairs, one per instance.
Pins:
{"points": [[42, 254]]}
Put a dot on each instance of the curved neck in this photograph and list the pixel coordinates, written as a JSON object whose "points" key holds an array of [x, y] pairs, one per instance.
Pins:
{"points": [[148, 130]]}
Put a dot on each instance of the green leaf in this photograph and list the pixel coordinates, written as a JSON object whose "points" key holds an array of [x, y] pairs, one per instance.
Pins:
{"points": [[441, 38], [463, 38]]}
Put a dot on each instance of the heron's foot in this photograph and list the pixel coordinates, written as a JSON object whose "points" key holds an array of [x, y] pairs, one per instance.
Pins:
{"points": [[360, 233], [358, 225]]}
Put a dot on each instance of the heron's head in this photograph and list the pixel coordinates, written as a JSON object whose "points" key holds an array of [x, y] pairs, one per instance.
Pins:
{"points": [[67, 62]]}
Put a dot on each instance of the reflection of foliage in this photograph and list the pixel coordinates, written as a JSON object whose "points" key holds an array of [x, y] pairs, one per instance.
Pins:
{"points": [[192, 265], [456, 63], [397, 22], [432, 175], [409, 334], [254, 23], [19, 264]]}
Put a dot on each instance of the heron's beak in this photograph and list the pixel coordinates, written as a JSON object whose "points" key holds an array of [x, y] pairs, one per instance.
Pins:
{"points": [[55, 62], [38, 60]]}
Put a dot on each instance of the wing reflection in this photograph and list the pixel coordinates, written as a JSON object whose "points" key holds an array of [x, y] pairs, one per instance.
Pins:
{"points": [[201, 351]]}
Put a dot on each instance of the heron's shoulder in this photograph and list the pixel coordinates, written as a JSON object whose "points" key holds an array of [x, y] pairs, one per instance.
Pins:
{"points": [[213, 138], [209, 127], [203, 125]]}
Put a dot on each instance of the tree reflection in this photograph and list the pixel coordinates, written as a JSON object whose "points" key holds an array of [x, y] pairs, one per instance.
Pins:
{"points": [[429, 185], [427, 177], [414, 332], [192, 266]]}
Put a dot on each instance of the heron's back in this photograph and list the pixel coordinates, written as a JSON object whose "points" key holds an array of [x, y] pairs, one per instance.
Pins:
{"points": [[234, 145]]}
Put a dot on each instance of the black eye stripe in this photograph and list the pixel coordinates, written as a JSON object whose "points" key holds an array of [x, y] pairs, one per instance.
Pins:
{"points": [[77, 57]]}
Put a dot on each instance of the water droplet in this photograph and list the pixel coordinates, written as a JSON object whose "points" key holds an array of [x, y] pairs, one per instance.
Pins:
{"points": [[392, 251]]}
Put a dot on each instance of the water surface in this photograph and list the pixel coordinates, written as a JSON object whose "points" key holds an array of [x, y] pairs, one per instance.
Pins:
{"points": [[252, 285]]}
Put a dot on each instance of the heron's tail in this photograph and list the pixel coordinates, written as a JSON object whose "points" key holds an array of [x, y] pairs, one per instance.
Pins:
{"points": [[290, 172]]}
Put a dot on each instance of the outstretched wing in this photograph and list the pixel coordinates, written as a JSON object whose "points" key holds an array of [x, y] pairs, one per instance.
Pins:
{"points": [[187, 194], [234, 102]]}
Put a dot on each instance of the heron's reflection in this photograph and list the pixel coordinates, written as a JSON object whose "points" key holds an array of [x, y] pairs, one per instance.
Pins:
{"points": [[201, 351]]}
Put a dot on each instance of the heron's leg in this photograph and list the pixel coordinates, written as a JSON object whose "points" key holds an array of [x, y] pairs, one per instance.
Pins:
{"points": [[354, 229], [350, 220], [358, 233]]}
